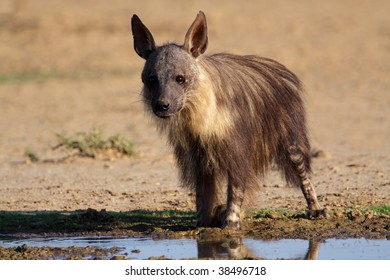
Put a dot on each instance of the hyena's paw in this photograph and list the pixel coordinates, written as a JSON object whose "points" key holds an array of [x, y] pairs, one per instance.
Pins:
{"points": [[203, 222], [218, 215], [231, 221], [200, 224], [317, 214], [208, 219], [231, 224], [224, 219]]}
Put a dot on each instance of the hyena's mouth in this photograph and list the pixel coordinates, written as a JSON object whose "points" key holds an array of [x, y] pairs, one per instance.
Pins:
{"points": [[165, 114]]}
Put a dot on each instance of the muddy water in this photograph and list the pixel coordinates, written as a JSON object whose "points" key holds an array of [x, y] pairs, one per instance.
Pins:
{"points": [[90, 247]]}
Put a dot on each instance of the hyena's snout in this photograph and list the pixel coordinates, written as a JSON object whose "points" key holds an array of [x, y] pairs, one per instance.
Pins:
{"points": [[166, 105], [161, 106]]}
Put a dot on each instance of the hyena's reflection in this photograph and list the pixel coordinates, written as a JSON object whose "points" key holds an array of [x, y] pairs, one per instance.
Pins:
{"points": [[224, 248], [234, 248], [314, 248]]}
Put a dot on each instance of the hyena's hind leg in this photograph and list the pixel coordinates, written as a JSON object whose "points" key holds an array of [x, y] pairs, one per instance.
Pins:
{"points": [[300, 165]]}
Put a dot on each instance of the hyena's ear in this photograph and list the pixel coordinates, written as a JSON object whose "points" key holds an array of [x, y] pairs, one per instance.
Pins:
{"points": [[196, 40], [143, 40]]}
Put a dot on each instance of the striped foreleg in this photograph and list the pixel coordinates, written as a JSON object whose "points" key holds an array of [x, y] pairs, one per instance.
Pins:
{"points": [[235, 198]]}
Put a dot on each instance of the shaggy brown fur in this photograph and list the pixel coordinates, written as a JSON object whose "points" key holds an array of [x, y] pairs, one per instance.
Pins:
{"points": [[227, 117]]}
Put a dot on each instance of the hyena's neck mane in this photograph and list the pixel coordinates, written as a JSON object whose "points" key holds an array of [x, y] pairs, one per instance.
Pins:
{"points": [[236, 94]]}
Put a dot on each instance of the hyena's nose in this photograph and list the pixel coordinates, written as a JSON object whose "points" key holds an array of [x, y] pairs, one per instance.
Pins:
{"points": [[162, 105]]}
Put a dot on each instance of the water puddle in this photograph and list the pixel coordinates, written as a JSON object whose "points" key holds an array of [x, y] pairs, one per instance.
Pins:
{"points": [[146, 247]]}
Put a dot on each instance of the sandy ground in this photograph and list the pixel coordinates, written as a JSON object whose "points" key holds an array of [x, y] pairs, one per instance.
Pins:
{"points": [[69, 66]]}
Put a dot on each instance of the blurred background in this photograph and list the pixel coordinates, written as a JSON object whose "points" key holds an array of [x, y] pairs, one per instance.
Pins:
{"points": [[69, 66]]}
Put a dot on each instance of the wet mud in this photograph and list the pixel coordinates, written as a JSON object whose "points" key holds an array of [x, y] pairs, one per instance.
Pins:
{"points": [[211, 242]]}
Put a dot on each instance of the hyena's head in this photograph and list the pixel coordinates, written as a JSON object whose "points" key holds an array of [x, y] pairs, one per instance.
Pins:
{"points": [[170, 72]]}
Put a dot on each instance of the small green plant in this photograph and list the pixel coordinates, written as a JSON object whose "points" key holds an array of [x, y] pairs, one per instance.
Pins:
{"points": [[275, 213], [32, 155], [89, 144], [384, 209]]}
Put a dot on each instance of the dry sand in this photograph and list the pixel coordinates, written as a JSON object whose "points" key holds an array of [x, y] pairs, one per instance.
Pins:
{"points": [[69, 66]]}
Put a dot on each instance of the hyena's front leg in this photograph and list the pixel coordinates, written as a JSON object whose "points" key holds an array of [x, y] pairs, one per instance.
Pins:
{"points": [[206, 193], [235, 198]]}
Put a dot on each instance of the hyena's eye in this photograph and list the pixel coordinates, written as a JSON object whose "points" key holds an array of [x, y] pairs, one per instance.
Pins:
{"points": [[152, 79], [180, 79]]}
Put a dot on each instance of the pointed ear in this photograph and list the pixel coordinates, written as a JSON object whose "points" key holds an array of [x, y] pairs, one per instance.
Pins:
{"points": [[143, 40], [196, 39]]}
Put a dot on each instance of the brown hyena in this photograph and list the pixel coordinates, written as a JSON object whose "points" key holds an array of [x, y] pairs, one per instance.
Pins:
{"points": [[227, 117]]}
